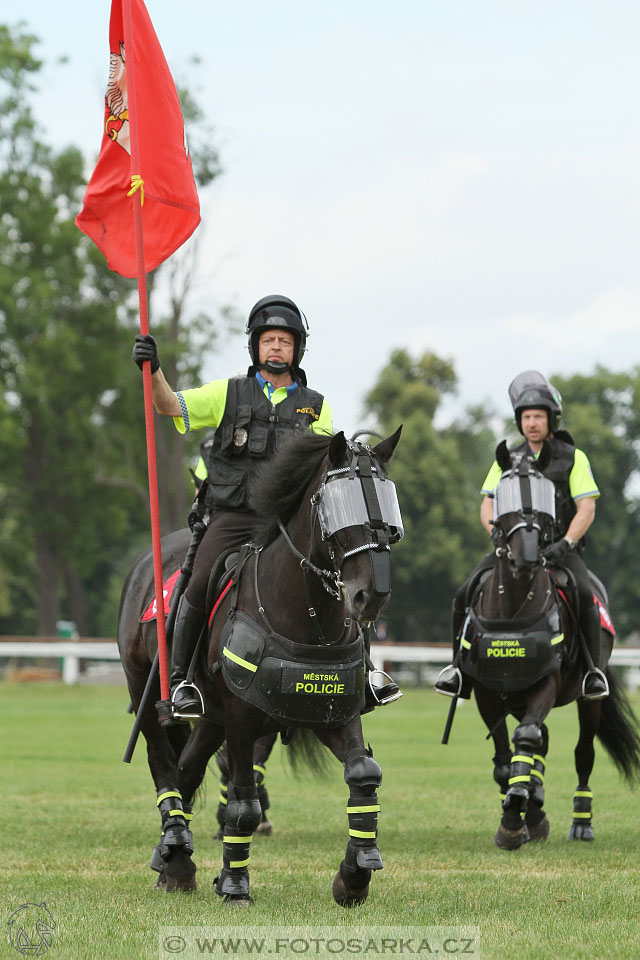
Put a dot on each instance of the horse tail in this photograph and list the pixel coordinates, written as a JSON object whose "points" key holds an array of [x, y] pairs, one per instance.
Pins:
{"points": [[619, 730], [305, 749]]}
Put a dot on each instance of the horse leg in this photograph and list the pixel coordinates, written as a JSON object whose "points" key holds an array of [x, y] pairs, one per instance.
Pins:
{"points": [[491, 710], [589, 712], [261, 753], [362, 775], [527, 741], [223, 793], [535, 817], [242, 812]]}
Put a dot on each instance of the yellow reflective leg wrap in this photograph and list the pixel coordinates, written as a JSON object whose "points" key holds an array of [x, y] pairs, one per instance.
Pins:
{"points": [[235, 849], [175, 818], [582, 804], [536, 786], [363, 810]]}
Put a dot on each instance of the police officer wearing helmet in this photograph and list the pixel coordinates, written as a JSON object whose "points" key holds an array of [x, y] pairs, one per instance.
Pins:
{"points": [[538, 409], [252, 416]]}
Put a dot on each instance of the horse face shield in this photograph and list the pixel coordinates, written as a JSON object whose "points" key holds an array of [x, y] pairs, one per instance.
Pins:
{"points": [[528, 497], [360, 496]]}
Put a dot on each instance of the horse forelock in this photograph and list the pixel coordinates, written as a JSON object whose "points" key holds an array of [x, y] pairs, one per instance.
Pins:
{"points": [[279, 484]]}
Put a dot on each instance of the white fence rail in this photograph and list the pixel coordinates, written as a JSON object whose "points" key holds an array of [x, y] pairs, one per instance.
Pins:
{"points": [[73, 651]]}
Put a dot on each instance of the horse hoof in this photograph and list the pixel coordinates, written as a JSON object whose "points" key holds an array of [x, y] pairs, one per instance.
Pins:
{"points": [[511, 839], [540, 830], [581, 831], [348, 897], [231, 901], [265, 829], [161, 883], [183, 884]]}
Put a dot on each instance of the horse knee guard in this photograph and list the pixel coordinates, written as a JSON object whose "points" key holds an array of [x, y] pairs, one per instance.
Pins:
{"points": [[361, 770], [243, 812], [526, 737]]}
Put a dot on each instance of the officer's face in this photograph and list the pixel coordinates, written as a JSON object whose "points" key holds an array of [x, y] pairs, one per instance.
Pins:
{"points": [[277, 346], [535, 425]]}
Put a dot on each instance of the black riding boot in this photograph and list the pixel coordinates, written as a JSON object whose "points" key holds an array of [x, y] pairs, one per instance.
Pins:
{"points": [[451, 681], [594, 685], [186, 699]]}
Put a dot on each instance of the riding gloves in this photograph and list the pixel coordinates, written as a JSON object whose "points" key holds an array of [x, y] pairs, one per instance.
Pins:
{"points": [[146, 348], [556, 551]]}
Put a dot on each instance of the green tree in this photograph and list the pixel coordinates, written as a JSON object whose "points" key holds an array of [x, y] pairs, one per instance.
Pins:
{"points": [[438, 472], [63, 330], [602, 413]]}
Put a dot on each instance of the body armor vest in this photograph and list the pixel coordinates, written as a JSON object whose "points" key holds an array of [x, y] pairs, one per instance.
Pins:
{"points": [[559, 470], [251, 429]]}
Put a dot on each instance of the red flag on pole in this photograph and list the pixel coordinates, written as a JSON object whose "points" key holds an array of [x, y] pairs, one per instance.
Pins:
{"points": [[171, 207]]}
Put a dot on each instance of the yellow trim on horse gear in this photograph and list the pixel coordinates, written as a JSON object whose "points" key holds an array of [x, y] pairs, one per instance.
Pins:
{"points": [[222, 799], [374, 808], [247, 839], [557, 639], [169, 793], [519, 779], [242, 663], [239, 863], [521, 759], [584, 793], [364, 834], [581, 816], [465, 643]]}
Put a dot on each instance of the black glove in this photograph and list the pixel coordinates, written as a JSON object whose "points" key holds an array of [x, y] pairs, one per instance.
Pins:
{"points": [[557, 550], [145, 348]]}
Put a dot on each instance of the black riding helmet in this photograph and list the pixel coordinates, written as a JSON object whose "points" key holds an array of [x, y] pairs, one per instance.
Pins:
{"points": [[530, 390], [280, 312]]}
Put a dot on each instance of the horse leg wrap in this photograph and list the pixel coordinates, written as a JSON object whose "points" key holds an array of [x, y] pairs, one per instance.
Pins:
{"points": [[242, 817], [536, 784], [363, 775], [526, 738], [259, 774], [582, 805], [175, 832], [501, 767]]}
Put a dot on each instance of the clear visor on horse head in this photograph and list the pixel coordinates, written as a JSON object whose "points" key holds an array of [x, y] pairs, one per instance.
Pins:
{"points": [[508, 496], [342, 504]]}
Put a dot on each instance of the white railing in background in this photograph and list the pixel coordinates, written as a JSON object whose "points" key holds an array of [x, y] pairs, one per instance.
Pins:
{"points": [[73, 651]]}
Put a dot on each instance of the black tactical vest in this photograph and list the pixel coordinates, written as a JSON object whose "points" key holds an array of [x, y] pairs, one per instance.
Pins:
{"points": [[251, 429], [559, 470]]}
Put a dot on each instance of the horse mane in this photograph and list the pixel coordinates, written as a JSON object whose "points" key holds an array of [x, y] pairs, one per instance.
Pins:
{"points": [[278, 485]]}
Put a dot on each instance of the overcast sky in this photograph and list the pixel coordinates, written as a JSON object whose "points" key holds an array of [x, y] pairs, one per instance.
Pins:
{"points": [[456, 176]]}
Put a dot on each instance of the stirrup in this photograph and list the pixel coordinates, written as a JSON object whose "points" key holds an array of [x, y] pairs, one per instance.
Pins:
{"points": [[454, 676], [385, 692], [595, 696], [183, 715]]}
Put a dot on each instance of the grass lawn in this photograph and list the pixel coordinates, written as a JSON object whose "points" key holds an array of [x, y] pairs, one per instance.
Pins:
{"points": [[79, 826]]}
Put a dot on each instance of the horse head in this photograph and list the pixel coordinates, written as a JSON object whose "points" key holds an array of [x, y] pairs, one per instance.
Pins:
{"points": [[359, 518], [523, 509]]}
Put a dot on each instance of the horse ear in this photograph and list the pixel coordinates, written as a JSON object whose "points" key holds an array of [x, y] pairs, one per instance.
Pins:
{"points": [[338, 448], [385, 449], [503, 456], [544, 459]]}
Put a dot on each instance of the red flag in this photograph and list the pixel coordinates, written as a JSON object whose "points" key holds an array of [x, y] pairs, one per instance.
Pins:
{"points": [[171, 210]]}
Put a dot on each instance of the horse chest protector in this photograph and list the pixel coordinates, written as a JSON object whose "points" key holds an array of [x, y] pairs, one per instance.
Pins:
{"points": [[292, 682]]}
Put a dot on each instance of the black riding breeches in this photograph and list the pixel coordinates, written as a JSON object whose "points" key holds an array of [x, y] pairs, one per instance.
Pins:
{"points": [[589, 614], [227, 530]]}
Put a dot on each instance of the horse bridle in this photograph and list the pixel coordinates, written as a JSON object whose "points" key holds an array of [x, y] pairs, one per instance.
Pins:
{"points": [[528, 512]]}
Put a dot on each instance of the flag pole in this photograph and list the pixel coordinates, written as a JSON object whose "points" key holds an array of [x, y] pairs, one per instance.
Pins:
{"points": [[137, 201]]}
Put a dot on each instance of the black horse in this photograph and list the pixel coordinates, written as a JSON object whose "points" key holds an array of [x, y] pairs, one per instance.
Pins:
{"points": [[285, 651], [520, 646]]}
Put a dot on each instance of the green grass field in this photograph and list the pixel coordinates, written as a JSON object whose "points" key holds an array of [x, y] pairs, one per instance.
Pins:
{"points": [[78, 828]]}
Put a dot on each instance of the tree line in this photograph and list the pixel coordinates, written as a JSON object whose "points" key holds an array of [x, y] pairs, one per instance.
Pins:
{"points": [[73, 487]]}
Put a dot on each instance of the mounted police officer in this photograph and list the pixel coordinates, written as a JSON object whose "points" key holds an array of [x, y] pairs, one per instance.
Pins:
{"points": [[538, 410], [251, 415]]}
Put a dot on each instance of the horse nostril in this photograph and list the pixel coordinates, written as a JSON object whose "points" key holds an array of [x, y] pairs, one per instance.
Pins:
{"points": [[361, 600]]}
